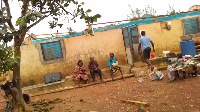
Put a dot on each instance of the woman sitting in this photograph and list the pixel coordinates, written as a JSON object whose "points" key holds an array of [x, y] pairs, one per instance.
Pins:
{"points": [[114, 67], [80, 73]]}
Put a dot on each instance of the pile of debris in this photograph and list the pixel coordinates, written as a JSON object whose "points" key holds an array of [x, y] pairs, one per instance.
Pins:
{"points": [[186, 65]]}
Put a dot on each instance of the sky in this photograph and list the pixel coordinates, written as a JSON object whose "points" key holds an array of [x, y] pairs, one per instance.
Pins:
{"points": [[110, 10]]}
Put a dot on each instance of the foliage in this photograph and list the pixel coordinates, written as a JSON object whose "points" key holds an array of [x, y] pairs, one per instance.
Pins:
{"points": [[36, 11], [6, 59], [6, 54], [32, 13], [140, 12], [149, 10], [171, 11], [56, 9], [141, 108], [5, 35]]}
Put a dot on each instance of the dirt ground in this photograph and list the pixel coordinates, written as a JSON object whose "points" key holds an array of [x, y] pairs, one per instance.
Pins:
{"points": [[162, 96]]}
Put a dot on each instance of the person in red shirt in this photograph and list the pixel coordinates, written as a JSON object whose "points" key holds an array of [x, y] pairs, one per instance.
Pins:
{"points": [[80, 73]]}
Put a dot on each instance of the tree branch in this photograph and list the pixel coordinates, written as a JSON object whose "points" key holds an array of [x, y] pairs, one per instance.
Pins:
{"points": [[42, 4], [37, 21], [1, 4], [9, 15], [24, 7], [63, 8], [45, 12]]}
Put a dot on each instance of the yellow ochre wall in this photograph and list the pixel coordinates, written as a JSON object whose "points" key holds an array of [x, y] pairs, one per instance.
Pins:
{"points": [[164, 40], [79, 47]]}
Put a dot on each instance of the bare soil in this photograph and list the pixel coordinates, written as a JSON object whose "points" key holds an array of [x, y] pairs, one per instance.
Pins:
{"points": [[162, 96]]}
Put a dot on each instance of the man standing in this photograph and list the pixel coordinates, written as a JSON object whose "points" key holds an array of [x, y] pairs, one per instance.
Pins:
{"points": [[94, 68], [146, 48]]}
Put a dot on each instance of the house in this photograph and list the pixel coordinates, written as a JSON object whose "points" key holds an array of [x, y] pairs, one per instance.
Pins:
{"points": [[60, 54]]}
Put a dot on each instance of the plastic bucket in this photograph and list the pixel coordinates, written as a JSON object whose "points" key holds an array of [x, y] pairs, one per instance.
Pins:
{"points": [[165, 53], [152, 56]]}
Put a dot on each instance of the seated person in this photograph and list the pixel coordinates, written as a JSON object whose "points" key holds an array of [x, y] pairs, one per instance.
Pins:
{"points": [[94, 68], [114, 67], [80, 73]]}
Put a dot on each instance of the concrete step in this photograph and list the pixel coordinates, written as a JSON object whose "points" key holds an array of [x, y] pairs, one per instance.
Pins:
{"points": [[126, 69], [61, 86], [159, 60], [69, 83]]}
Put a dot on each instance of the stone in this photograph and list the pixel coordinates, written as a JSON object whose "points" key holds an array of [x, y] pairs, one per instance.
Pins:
{"points": [[173, 106], [191, 105]]}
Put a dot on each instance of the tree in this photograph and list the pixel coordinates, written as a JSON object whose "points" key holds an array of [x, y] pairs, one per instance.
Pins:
{"points": [[32, 13], [137, 13]]}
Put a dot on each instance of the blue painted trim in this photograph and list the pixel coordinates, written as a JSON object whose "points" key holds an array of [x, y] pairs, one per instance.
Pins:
{"points": [[139, 22], [41, 40], [179, 16]]}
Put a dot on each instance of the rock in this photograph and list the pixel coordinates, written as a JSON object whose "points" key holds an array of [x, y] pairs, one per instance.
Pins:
{"points": [[154, 96], [173, 106], [81, 100], [163, 103], [151, 90], [191, 105]]}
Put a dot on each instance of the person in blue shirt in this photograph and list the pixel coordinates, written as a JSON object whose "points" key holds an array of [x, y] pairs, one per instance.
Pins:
{"points": [[145, 41], [114, 67]]}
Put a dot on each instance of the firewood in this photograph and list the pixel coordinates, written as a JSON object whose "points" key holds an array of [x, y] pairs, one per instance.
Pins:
{"points": [[136, 102]]}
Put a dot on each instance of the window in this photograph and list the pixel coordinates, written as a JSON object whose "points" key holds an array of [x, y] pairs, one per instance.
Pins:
{"points": [[191, 26], [51, 50]]}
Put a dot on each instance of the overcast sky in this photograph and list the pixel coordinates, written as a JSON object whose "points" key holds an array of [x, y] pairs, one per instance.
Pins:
{"points": [[110, 10]]}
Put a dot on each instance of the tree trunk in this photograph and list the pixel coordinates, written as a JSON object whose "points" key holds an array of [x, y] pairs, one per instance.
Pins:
{"points": [[17, 104]]}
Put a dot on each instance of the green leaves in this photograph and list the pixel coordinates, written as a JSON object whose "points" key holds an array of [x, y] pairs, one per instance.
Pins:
{"points": [[6, 59], [22, 22], [66, 4], [82, 3], [60, 25], [88, 11], [30, 16], [60, 8], [52, 24], [5, 35], [172, 11], [91, 19], [140, 12]]}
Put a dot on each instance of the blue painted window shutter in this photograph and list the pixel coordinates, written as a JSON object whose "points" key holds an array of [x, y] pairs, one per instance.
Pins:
{"points": [[126, 37], [191, 26], [52, 50], [134, 33], [125, 33]]}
